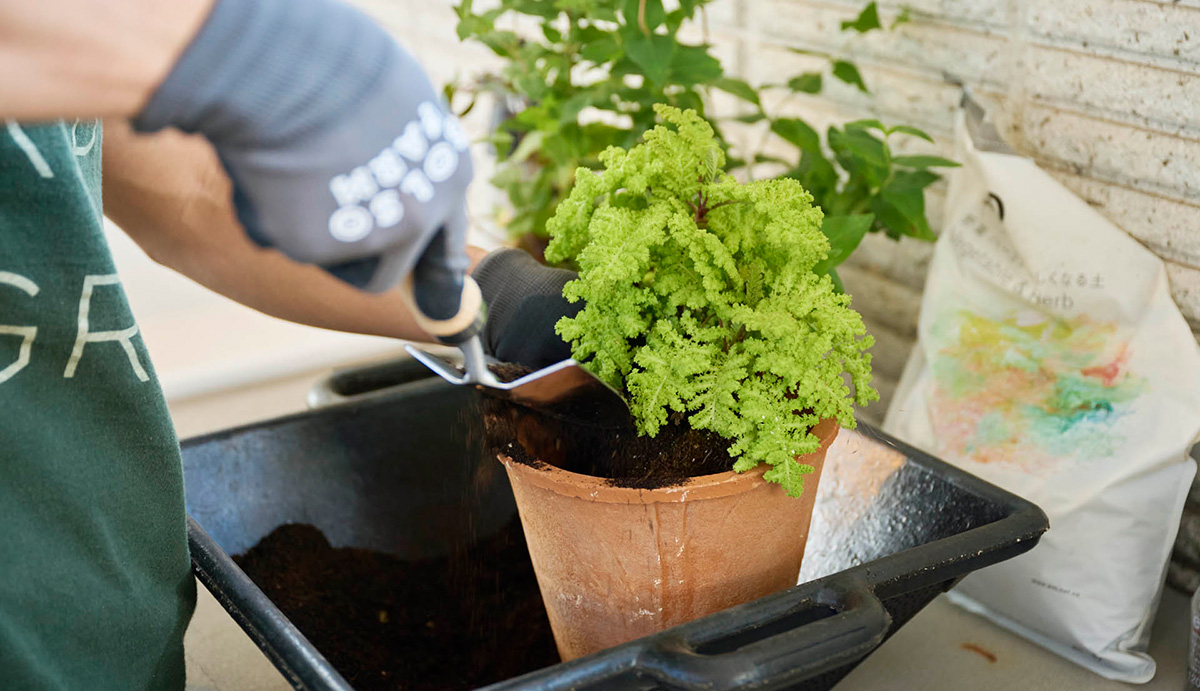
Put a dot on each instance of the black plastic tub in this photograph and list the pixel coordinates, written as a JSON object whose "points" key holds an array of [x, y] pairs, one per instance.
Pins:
{"points": [[391, 471]]}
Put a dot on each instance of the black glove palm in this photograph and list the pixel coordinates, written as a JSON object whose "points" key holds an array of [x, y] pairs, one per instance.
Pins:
{"points": [[524, 302]]}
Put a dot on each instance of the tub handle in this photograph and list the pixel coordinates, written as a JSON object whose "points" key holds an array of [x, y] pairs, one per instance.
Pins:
{"points": [[352, 383], [771, 643], [782, 644]]}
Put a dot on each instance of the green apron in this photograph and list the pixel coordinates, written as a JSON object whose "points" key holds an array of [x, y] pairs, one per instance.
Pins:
{"points": [[95, 584]]}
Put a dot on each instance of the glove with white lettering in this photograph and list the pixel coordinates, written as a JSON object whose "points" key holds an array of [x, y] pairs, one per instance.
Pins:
{"points": [[340, 151]]}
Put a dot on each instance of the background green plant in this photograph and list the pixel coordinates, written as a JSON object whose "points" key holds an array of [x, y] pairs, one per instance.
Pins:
{"points": [[622, 57], [619, 56], [702, 300]]}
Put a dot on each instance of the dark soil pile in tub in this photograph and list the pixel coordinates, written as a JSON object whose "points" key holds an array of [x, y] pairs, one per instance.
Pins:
{"points": [[460, 622]]}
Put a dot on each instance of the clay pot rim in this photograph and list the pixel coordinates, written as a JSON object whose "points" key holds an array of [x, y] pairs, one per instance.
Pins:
{"points": [[597, 489]]}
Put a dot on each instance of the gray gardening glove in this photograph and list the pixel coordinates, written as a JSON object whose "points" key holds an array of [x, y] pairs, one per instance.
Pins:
{"points": [[340, 151], [524, 302]]}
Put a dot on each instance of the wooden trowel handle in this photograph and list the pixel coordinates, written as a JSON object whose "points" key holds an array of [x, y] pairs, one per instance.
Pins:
{"points": [[466, 323]]}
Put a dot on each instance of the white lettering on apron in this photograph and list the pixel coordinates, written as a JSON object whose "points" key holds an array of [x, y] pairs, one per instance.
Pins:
{"points": [[27, 333], [84, 337], [30, 149]]}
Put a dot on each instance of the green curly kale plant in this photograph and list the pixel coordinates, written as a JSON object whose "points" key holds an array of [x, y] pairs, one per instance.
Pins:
{"points": [[707, 299]]}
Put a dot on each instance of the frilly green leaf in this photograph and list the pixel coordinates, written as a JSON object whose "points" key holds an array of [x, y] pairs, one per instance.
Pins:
{"points": [[707, 299]]}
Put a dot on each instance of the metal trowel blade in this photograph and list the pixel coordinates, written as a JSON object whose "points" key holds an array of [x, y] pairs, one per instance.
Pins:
{"points": [[564, 389]]}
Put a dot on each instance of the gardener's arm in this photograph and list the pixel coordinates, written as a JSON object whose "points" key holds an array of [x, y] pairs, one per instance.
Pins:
{"points": [[82, 58], [170, 194], [342, 152]]}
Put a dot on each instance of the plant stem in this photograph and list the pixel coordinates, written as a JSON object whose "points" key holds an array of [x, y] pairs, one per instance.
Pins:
{"points": [[727, 201]]}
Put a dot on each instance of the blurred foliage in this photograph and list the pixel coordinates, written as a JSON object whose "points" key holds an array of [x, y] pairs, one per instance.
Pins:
{"points": [[583, 75]]}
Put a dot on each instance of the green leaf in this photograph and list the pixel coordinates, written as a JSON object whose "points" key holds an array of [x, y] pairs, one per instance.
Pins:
{"points": [[866, 124], [923, 162], [652, 54], [654, 15], [798, 132], [817, 175], [690, 100], [502, 141], [533, 85], [867, 20], [913, 180], [737, 87], [502, 43], [751, 118], [768, 158], [844, 234], [529, 144], [837, 281], [901, 204], [807, 83], [688, 7], [848, 73], [572, 106], [537, 8], [790, 474], [552, 35], [693, 65], [686, 11], [475, 25], [601, 49], [909, 129], [904, 17], [865, 158], [604, 13], [866, 147]]}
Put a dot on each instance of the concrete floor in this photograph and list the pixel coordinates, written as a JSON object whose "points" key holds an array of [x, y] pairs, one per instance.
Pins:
{"points": [[221, 657], [943, 646]]}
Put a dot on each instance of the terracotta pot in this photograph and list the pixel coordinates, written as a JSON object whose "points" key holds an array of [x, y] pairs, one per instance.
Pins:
{"points": [[616, 563]]}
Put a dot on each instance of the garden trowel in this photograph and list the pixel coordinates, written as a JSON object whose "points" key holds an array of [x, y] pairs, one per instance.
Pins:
{"points": [[563, 390]]}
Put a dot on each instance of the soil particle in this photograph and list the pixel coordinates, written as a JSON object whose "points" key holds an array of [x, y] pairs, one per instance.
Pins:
{"points": [[507, 371], [460, 622], [981, 651]]}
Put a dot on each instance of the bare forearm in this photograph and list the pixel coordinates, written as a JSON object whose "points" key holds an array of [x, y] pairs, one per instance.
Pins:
{"points": [[83, 58], [169, 192]]}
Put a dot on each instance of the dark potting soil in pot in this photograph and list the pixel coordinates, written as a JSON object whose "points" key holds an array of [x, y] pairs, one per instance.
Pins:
{"points": [[562, 437], [460, 622]]}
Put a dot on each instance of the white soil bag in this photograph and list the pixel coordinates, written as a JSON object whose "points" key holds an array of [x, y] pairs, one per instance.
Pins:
{"points": [[1051, 361]]}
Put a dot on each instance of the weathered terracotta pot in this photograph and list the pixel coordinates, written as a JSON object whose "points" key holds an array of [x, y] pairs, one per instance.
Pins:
{"points": [[616, 563]]}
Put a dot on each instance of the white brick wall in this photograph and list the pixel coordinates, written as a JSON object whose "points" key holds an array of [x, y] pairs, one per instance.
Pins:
{"points": [[1103, 93]]}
